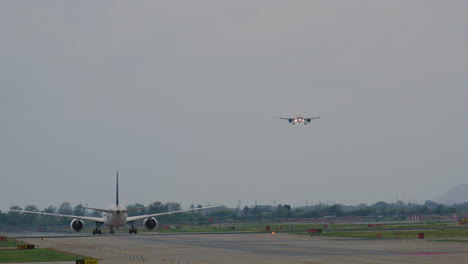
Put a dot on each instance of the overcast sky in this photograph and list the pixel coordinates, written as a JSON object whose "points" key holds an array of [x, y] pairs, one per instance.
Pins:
{"points": [[180, 98]]}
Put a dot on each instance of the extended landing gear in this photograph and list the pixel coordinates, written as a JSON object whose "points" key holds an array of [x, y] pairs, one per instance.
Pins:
{"points": [[111, 231], [97, 230], [132, 228]]}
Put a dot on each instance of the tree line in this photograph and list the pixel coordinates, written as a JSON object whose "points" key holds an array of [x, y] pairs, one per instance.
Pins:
{"points": [[380, 210]]}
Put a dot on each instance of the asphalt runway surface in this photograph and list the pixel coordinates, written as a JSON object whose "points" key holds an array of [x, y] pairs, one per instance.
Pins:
{"points": [[229, 248]]}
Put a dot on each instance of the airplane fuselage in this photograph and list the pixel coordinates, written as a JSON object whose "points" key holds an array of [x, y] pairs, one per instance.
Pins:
{"points": [[299, 119], [116, 218]]}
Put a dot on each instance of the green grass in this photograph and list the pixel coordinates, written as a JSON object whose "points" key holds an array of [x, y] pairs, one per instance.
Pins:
{"points": [[34, 255], [8, 243], [450, 240], [402, 234]]}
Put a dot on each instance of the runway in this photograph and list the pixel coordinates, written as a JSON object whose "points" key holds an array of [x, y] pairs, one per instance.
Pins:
{"points": [[250, 248]]}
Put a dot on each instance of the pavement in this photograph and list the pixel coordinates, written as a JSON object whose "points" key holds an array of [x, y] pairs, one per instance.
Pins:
{"points": [[248, 248]]}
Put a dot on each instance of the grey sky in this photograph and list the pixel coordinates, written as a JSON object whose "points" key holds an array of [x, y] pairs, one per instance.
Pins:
{"points": [[179, 97]]}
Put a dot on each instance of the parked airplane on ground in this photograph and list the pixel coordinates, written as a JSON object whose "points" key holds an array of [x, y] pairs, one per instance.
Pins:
{"points": [[116, 216], [299, 119]]}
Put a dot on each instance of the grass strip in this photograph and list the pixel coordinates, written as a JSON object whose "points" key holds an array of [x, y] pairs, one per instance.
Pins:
{"points": [[401, 234], [34, 255], [450, 240], [8, 243]]}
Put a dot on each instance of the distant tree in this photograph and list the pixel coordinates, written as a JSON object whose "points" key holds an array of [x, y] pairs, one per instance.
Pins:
{"points": [[79, 210], [255, 212], [283, 211], [51, 209], [380, 205], [156, 207], [336, 209], [65, 209], [3, 218], [413, 208], [300, 212], [400, 205], [424, 210], [246, 211], [15, 218], [48, 219], [173, 206], [430, 204], [368, 211], [362, 205], [31, 208], [30, 218], [136, 206], [223, 214], [442, 209]]}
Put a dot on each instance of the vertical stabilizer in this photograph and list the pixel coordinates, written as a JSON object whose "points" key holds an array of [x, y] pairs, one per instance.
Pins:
{"points": [[117, 191]]}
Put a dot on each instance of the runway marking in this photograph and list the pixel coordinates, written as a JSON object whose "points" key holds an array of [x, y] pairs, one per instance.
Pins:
{"points": [[102, 249], [112, 251]]}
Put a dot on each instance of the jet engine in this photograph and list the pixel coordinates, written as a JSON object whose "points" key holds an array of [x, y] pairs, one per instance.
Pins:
{"points": [[150, 223], [290, 120], [77, 225], [308, 120]]}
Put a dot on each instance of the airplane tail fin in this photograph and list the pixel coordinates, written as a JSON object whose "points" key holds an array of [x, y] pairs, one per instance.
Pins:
{"points": [[117, 191]]}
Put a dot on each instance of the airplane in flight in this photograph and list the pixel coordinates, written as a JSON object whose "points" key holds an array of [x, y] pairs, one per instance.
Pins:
{"points": [[299, 119], [116, 216]]}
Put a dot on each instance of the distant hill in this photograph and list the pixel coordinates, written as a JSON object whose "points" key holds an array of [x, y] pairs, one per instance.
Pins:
{"points": [[458, 194]]}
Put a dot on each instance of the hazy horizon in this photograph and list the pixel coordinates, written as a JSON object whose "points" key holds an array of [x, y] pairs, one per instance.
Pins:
{"points": [[181, 97]]}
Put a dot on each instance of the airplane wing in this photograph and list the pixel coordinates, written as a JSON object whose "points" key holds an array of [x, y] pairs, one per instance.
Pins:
{"points": [[317, 117], [134, 218], [89, 218], [285, 118]]}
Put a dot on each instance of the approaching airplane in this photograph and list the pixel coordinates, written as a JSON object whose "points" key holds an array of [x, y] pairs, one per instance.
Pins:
{"points": [[299, 119], [116, 216]]}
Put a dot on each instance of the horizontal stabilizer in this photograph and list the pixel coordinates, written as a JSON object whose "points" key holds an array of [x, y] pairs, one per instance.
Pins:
{"points": [[134, 209], [101, 210], [113, 211]]}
